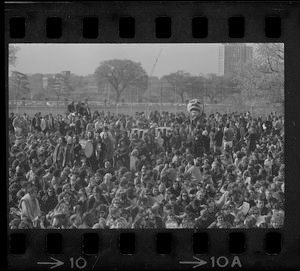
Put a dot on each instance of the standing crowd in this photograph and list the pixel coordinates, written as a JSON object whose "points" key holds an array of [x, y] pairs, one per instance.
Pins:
{"points": [[161, 170]]}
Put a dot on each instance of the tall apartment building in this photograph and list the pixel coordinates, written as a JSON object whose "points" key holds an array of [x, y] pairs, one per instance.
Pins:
{"points": [[231, 55], [45, 82]]}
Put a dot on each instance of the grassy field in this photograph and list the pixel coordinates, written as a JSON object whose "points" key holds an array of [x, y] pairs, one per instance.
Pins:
{"points": [[131, 109]]}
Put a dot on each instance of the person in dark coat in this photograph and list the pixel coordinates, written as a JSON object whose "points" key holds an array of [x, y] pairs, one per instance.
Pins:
{"points": [[206, 142], [96, 199], [198, 146], [49, 201], [218, 138], [71, 107], [78, 125], [60, 151], [77, 149], [252, 138], [91, 161], [100, 150]]}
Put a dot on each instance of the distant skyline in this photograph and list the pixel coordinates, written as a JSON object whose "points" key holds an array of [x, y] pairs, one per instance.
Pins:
{"points": [[83, 59]]}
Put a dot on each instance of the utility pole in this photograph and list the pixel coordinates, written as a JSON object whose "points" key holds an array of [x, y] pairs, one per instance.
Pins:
{"points": [[152, 73], [107, 93], [161, 97]]}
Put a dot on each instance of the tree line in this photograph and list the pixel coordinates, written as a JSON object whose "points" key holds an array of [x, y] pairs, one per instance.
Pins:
{"points": [[258, 81]]}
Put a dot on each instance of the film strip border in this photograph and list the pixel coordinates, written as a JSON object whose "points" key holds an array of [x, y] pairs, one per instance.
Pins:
{"points": [[163, 27], [155, 249], [165, 22], [150, 22]]}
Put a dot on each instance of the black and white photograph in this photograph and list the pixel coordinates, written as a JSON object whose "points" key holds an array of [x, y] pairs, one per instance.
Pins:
{"points": [[146, 136]]}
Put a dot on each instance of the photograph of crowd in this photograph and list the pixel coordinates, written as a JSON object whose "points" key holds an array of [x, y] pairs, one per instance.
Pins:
{"points": [[96, 169]]}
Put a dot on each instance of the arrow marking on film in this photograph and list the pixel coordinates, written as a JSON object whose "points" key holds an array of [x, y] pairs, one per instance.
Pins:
{"points": [[197, 264], [55, 264]]}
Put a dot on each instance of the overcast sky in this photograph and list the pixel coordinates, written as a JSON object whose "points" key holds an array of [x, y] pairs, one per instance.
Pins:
{"points": [[83, 59]]}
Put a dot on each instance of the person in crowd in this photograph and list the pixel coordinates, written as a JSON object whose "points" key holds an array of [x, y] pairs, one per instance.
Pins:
{"points": [[29, 204]]}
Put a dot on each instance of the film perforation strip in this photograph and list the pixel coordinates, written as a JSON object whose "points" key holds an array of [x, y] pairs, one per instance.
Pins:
{"points": [[273, 27], [90, 27], [200, 27], [163, 27], [127, 243], [54, 27], [54, 243], [200, 243], [237, 243], [164, 242], [127, 27], [273, 243], [17, 28], [90, 243], [236, 27]]}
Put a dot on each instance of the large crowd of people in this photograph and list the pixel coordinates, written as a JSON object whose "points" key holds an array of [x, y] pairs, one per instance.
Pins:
{"points": [[102, 170]]}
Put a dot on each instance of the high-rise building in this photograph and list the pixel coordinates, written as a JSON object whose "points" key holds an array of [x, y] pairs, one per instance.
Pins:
{"points": [[231, 55], [45, 82], [221, 61]]}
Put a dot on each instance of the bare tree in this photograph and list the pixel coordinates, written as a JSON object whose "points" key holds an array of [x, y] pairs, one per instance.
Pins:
{"points": [[121, 74], [262, 80], [180, 82], [18, 85], [12, 54], [214, 86]]}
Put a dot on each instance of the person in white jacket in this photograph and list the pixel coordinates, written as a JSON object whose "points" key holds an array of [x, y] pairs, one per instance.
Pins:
{"points": [[29, 205], [43, 124]]}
